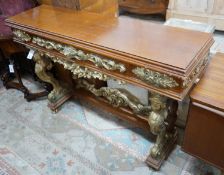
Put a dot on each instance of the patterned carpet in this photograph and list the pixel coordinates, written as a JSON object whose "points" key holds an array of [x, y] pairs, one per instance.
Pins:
{"points": [[79, 140]]}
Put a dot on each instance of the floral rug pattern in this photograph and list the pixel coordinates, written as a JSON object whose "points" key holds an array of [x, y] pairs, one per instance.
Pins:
{"points": [[78, 140]]}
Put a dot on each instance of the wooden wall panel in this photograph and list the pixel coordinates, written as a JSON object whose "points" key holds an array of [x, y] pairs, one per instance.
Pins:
{"points": [[144, 6], [207, 11], [72, 4], [106, 7]]}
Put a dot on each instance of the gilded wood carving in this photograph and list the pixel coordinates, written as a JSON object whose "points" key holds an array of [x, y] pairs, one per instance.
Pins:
{"points": [[157, 112], [155, 78], [79, 71], [42, 67], [22, 35], [116, 97], [148, 76], [151, 66], [70, 51], [156, 121], [195, 72]]}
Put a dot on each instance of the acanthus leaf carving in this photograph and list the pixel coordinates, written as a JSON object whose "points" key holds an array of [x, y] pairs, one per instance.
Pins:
{"points": [[155, 78]]}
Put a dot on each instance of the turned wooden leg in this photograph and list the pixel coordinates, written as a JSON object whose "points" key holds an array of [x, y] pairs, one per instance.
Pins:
{"points": [[161, 121], [60, 93], [9, 83], [7, 78]]}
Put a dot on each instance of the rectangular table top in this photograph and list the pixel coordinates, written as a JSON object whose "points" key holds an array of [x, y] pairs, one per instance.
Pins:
{"points": [[156, 44], [162, 59]]}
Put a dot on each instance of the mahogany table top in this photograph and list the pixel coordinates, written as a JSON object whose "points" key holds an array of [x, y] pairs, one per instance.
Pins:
{"points": [[156, 44]]}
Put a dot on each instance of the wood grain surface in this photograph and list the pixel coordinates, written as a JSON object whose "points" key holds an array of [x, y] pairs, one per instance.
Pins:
{"points": [[144, 6], [156, 43]]}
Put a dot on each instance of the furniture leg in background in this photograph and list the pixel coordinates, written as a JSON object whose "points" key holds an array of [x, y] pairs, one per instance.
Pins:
{"points": [[14, 55], [104, 7], [12, 52]]}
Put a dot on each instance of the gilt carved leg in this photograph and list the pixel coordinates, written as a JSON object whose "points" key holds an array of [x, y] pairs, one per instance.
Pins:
{"points": [[161, 121], [60, 93], [162, 117]]}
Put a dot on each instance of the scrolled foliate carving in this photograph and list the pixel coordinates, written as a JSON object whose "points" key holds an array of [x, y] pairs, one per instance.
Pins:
{"points": [[78, 71], [116, 97], [70, 51], [155, 78], [22, 35], [81, 72], [74, 53]]}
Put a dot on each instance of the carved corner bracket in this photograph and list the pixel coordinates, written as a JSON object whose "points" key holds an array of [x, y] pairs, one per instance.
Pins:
{"points": [[195, 72]]}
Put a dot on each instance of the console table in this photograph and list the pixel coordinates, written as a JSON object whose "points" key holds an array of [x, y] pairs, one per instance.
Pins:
{"points": [[94, 48]]}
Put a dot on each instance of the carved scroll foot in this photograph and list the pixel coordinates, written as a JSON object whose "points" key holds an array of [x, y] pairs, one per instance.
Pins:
{"points": [[160, 124], [60, 92]]}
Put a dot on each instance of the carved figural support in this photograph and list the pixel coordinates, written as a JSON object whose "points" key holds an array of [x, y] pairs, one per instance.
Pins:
{"points": [[160, 113], [156, 121], [161, 121], [59, 93]]}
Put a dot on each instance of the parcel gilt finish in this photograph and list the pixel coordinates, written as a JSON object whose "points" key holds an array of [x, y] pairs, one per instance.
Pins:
{"points": [[95, 48]]}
